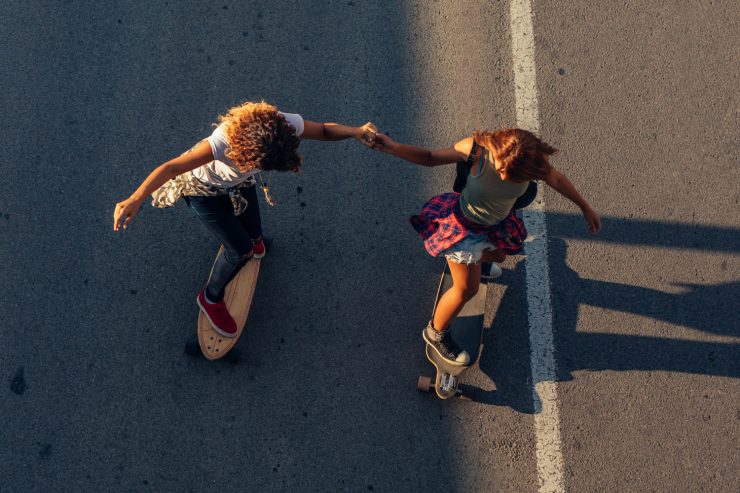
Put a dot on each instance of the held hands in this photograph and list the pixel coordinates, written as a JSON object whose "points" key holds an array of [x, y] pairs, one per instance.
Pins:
{"points": [[124, 213], [366, 134], [369, 136], [383, 143]]}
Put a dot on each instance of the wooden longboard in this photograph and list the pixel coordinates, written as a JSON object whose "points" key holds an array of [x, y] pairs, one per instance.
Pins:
{"points": [[467, 332], [238, 298]]}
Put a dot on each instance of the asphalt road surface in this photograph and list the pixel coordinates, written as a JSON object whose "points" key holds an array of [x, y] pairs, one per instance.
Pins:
{"points": [[640, 96]]}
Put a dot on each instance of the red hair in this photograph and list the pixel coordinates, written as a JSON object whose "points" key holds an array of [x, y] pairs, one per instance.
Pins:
{"points": [[521, 155]]}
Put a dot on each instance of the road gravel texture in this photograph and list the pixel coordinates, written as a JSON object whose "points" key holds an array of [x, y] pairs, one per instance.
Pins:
{"points": [[642, 100]]}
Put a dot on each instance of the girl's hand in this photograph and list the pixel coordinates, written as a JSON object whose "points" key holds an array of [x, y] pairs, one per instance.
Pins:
{"points": [[383, 143], [125, 212], [592, 220], [366, 134]]}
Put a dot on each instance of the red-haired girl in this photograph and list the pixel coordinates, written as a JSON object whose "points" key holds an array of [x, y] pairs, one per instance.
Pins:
{"points": [[479, 224]]}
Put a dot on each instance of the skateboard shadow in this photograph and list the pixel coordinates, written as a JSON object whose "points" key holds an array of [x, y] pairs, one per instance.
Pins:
{"points": [[708, 308], [505, 358]]}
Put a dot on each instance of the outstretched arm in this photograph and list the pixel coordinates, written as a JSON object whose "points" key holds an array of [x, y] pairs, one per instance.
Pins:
{"points": [[422, 155], [563, 185], [195, 157], [336, 131]]}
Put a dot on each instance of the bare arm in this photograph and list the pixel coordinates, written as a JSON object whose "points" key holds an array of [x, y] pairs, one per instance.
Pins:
{"points": [[125, 210], [560, 183], [422, 155], [336, 131]]}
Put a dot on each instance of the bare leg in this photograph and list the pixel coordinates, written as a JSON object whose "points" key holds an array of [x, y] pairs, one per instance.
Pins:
{"points": [[465, 284]]}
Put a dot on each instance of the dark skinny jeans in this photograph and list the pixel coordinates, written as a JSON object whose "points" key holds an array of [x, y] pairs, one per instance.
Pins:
{"points": [[235, 233]]}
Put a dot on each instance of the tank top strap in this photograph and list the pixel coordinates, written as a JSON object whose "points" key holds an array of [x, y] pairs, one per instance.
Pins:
{"points": [[473, 153], [482, 159]]}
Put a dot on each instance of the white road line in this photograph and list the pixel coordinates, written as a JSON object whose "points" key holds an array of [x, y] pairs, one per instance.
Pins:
{"points": [[542, 349]]}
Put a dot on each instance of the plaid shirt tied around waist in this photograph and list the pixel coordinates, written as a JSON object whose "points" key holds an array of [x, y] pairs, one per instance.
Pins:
{"points": [[187, 185], [442, 224]]}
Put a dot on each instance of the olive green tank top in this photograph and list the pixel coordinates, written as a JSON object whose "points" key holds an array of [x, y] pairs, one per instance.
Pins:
{"points": [[486, 198]]}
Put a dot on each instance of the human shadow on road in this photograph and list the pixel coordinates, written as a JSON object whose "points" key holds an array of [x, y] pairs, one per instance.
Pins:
{"points": [[704, 307]]}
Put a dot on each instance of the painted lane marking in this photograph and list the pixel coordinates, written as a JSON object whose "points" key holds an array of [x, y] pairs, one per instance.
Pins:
{"points": [[542, 349]]}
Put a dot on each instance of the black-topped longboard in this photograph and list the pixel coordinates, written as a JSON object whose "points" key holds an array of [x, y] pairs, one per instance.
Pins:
{"points": [[467, 332]]}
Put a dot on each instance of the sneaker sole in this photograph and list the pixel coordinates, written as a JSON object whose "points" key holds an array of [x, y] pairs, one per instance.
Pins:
{"points": [[491, 277], [225, 334], [436, 350]]}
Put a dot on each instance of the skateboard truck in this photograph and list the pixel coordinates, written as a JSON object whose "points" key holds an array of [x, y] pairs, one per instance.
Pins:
{"points": [[448, 383], [448, 386]]}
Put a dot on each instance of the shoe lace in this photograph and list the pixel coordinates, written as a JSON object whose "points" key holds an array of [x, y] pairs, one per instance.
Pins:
{"points": [[449, 347]]}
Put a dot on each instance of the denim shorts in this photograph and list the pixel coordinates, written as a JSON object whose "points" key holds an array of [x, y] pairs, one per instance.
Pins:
{"points": [[469, 250]]}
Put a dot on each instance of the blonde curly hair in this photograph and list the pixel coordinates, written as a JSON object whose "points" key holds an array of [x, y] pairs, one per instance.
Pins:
{"points": [[260, 138]]}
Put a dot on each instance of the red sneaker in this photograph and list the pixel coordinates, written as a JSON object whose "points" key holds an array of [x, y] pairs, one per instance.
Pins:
{"points": [[259, 249], [218, 315]]}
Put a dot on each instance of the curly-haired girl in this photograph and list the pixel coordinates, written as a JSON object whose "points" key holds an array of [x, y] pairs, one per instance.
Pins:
{"points": [[216, 179], [479, 224]]}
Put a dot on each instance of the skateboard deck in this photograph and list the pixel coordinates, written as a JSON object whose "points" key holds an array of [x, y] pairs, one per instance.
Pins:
{"points": [[238, 298], [467, 332]]}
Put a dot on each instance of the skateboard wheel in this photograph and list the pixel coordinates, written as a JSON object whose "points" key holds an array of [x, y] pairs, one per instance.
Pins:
{"points": [[424, 383]]}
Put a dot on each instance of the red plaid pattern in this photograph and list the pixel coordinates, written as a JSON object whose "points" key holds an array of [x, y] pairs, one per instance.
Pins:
{"points": [[441, 224]]}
